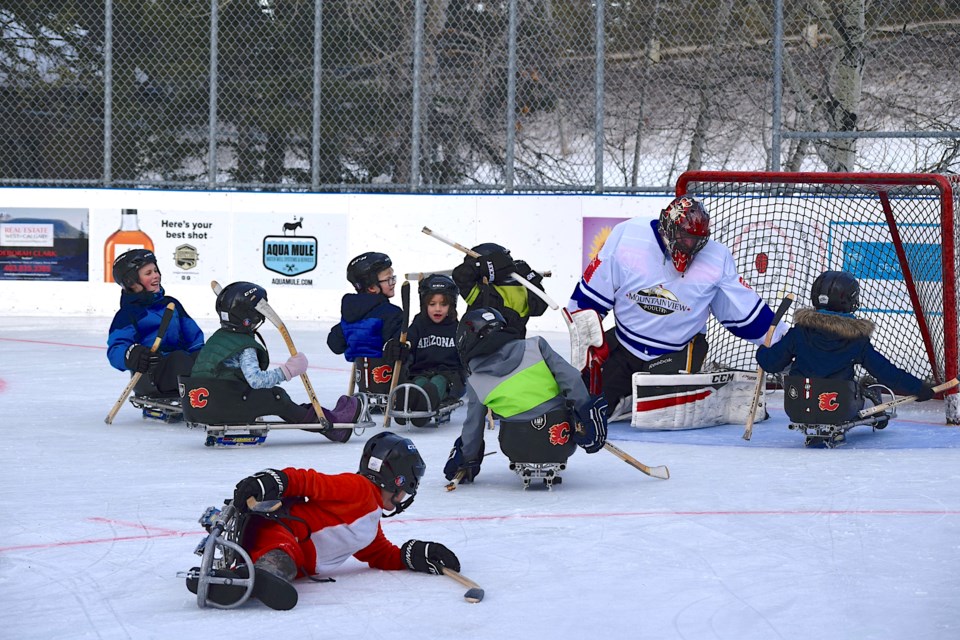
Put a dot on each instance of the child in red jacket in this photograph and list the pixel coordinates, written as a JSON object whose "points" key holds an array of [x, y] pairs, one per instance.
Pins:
{"points": [[325, 519]]}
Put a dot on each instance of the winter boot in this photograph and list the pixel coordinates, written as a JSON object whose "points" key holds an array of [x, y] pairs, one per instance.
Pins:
{"points": [[347, 411], [273, 585]]}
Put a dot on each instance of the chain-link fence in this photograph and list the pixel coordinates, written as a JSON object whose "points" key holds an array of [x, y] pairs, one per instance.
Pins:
{"points": [[454, 95]]}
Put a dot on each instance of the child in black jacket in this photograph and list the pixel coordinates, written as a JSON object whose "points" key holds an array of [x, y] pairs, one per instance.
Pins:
{"points": [[433, 363]]}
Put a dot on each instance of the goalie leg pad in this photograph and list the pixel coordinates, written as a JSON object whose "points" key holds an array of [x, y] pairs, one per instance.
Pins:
{"points": [[693, 401], [586, 331]]}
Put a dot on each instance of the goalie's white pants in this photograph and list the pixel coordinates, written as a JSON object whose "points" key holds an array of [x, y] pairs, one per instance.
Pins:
{"points": [[692, 401]]}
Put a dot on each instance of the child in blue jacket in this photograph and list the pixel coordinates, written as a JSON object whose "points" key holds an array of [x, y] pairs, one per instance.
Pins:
{"points": [[367, 319], [135, 325]]}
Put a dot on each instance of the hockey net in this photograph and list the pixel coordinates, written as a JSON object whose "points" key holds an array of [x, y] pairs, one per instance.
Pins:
{"points": [[895, 232]]}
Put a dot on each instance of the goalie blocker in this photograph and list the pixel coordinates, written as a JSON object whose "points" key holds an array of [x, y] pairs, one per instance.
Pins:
{"points": [[692, 401]]}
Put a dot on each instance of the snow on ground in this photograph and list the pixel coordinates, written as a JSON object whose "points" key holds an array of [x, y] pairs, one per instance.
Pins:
{"points": [[760, 539]]}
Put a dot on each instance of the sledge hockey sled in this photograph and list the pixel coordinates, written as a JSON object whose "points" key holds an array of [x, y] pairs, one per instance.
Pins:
{"points": [[824, 410], [538, 449], [372, 377], [164, 409], [228, 423], [402, 400], [223, 580]]}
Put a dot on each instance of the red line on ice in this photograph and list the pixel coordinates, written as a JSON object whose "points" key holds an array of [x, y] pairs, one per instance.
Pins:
{"points": [[167, 533], [55, 344]]}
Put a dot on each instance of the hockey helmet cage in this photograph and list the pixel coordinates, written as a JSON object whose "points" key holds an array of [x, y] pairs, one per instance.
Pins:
{"points": [[684, 228], [474, 327], [393, 463], [237, 307], [126, 268], [836, 291], [362, 271]]}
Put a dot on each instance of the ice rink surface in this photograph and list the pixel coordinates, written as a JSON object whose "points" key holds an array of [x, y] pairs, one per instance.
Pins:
{"points": [[746, 540]]}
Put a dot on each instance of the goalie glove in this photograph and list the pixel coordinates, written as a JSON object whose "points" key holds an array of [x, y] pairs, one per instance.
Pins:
{"points": [[591, 431]]}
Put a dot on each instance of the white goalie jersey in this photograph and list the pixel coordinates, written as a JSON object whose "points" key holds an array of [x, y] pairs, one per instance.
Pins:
{"points": [[658, 309]]}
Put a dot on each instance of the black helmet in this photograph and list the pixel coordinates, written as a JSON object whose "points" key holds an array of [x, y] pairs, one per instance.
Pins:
{"points": [[684, 228], [836, 291], [236, 306], [487, 248], [474, 327], [437, 283], [362, 271], [393, 463], [127, 266]]}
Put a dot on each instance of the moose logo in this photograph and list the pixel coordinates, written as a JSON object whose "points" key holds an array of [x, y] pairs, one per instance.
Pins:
{"points": [[290, 256], [560, 433], [828, 401]]}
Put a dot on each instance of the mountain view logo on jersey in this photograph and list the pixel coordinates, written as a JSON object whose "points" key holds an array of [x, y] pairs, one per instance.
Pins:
{"points": [[290, 256], [657, 300]]}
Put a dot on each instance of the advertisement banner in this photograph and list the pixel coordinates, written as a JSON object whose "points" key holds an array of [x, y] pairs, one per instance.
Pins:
{"points": [[595, 232], [44, 244]]}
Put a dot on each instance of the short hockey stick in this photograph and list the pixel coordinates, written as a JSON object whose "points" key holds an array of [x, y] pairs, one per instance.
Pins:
{"points": [[654, 472], [880, 408], [474, 593], [135, 378], [264, 307], [761, 378], [516, 277], [395, 376], [420, 275], [453, 484]]}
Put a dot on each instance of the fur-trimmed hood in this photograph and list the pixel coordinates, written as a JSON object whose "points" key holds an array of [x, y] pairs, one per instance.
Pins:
{"points": [[838, 325]]}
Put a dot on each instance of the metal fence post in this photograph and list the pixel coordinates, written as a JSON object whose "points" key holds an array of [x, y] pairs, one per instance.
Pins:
{"points": [[598, 102], [212, 142], [317, 92], [108, 93], [415, 107], [510, 158], [776, 112]]}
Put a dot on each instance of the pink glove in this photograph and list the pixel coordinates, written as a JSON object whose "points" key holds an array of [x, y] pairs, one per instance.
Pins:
{"points": [[294, 366]]}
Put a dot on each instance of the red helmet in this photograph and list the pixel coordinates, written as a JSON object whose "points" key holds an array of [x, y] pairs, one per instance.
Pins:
{"points": [[684, 228]]}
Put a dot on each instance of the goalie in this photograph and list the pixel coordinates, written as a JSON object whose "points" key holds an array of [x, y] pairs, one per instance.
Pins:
{"points": [[662, 278]]}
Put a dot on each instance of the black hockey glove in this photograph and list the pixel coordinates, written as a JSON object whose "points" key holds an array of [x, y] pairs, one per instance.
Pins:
{"points": [[268, 484], [394, 350], [139, 358], [496, 267], [925, 394], [428, 557], [456, 463], [591, 431], [524, 271]]}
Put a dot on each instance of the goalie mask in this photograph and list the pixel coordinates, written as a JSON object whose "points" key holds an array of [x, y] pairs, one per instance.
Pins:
{"points": [[362, 271], [836, 291], [126, 268], [236, 306], [684, 228], [393, 463]]}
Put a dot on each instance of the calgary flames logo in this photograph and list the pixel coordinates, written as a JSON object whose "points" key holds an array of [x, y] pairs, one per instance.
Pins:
{"points": [[560, 433], [382, 374], [198, 397], [828, 401]]}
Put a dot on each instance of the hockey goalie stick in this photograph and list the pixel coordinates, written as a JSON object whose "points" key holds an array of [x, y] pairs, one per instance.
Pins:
{"points": [[135, 378], [871, 411], [654, 472], [516, 277], [761, 379], [474, 593], [264, 307], [395, 376]]}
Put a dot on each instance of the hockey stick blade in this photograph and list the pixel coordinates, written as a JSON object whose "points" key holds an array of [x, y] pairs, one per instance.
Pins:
{"points": [[660, 472], [474, 593]]}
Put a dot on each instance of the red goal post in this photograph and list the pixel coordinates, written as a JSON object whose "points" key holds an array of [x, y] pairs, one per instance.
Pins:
{"points": [[895, 232]]}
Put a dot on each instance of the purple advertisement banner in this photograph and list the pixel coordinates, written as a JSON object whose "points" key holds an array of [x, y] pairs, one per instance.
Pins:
{"points": [[595, 232]]}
